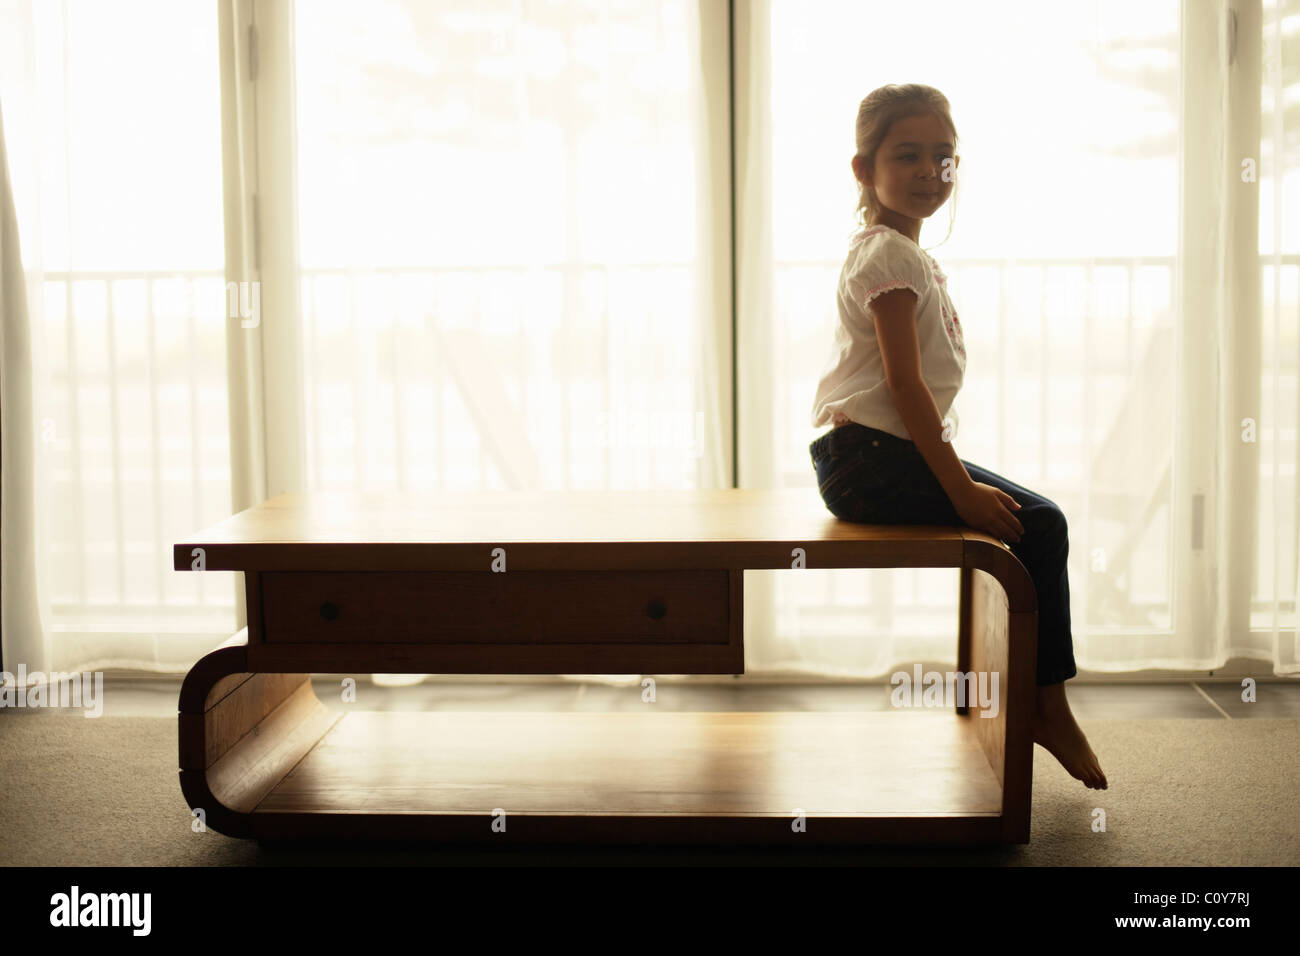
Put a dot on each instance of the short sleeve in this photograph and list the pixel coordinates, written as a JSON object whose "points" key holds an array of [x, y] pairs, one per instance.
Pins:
{"points": [[884, 263]]}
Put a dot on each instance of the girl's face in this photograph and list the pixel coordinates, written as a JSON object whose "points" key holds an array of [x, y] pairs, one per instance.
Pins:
{"points": [[909, 172]]}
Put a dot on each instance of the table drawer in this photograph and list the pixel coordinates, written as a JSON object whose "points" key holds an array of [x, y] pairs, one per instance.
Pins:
{"points": [[516, 607]]}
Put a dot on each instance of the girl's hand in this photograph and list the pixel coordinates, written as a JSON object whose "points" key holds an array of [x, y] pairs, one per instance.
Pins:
{"points": [[988, 509]]}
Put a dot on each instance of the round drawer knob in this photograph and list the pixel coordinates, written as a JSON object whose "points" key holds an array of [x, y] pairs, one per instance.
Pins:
{"points": [[329, 611], [657, 609]]}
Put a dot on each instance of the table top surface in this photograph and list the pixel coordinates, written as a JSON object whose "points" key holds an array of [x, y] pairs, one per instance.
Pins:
{"points": [[626, 527]]}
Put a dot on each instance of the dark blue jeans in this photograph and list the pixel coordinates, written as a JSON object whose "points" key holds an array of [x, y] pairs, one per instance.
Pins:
{"points": [[869, 476]]}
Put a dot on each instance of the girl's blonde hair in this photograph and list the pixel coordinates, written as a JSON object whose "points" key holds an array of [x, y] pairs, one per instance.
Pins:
{"points": [[876, 114]]}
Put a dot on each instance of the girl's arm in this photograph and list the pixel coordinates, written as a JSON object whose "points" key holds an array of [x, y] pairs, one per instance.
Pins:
{"points": [[894, 314]]}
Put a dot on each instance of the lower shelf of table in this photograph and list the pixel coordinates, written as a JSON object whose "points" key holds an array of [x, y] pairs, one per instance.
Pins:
{"points": [[895, 776]]}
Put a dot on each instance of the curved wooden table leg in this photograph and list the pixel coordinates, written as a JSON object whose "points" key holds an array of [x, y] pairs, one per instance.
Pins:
{"points": [[998, 633], [240, 734]]}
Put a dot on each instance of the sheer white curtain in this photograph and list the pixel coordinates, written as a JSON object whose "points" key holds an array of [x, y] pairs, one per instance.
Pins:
{"points": [[23, 584], [1123, 254], [114, 406]]}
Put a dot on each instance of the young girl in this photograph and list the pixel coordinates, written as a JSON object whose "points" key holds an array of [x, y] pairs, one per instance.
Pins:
{"points": [[898, 365]]}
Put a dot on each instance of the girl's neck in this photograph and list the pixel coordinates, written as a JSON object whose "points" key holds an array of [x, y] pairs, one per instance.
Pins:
{"points": [[910, 228]]}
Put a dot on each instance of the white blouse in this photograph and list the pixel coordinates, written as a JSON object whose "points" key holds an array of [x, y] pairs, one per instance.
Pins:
{"points": [[853, 385]]}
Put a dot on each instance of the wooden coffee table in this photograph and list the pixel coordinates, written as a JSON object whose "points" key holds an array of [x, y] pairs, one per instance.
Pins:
{"points": [[598, 582]]}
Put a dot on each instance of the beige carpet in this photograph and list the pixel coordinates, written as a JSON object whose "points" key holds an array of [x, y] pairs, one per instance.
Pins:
{"points": [[1182, 792]]}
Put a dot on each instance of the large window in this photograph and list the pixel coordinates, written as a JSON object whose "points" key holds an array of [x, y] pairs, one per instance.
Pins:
{"points": [[498, 246]]}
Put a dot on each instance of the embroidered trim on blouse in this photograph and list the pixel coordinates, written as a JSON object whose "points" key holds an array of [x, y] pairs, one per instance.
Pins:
{"points": [[886, 286]]}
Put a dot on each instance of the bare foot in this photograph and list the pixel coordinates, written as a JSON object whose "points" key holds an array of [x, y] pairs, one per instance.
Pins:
{"points": [[1057, 731]]}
